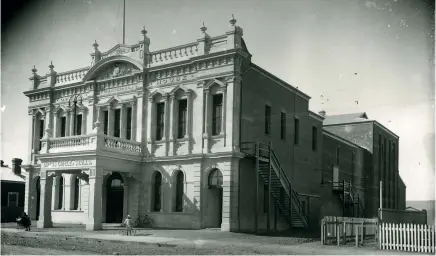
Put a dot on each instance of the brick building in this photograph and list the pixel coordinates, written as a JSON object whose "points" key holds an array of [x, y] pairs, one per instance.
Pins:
{"points": [[180, 134]]}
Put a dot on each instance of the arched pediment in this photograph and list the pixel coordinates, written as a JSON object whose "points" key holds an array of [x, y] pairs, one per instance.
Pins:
{"points": [[112, 67], [180, 88], [60, 108]]}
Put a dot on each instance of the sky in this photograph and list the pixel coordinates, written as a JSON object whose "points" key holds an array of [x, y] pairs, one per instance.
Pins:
{"points": [[362, 56]]}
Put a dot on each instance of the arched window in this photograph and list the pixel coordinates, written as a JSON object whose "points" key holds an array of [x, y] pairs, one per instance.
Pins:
{"points": [[60, 192], [215, 178], [179, 191], [157, 191], [76, 193]]}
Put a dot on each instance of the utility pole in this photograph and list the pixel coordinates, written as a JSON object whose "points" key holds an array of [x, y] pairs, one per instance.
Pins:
{"points": [[124, 21]]}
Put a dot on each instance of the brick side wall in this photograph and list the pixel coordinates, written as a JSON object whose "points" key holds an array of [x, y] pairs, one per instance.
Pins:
{"points": [[301, 164]]}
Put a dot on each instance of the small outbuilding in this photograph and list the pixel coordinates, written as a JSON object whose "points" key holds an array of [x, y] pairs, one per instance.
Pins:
{"points": [[12, 190]]}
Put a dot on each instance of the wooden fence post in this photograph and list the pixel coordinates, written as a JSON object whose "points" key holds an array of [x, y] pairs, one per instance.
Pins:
{"points": [[357, 236]]}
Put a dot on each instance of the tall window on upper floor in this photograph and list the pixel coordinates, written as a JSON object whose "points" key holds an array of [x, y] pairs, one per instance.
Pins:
{"points": [[353, 165], [283, 125], [267, 120], [297, 131], [105, 121], [78, 128], [337, 155], [160, 117], [41, 132], [217, 109], [63, 126], [117, 122], [129, 123], [314, 138], [182, 118]]}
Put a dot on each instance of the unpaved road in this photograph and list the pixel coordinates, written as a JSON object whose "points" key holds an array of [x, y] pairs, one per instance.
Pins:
{"points": [[16, 243]]}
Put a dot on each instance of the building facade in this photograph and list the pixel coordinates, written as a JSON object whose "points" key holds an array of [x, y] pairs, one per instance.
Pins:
{"points": [[12, 191], [195, 136]]}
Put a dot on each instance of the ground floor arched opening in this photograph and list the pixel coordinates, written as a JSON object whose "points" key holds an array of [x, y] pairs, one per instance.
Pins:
{"points": [[215, 199], [114, 198]]}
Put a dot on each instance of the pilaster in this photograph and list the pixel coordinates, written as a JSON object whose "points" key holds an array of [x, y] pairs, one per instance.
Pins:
{"points": [[95, 181], [46, 181], [123, 121], [110, 128], [150, 130], [189, 114], [206, 134], [232, 117], [166, 123], [172, 128]]}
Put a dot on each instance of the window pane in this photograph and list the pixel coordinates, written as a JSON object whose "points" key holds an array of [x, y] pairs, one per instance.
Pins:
{"points": [[314, 137], [183, 110], [267, 119], [117, 123], [129, 123], [76, 193], [60, 192], [41, 132], [283, 126], [160, 117], [13, 199], [297, 131], [63, 125], [105, 121], [217, 106], [79, 125]]}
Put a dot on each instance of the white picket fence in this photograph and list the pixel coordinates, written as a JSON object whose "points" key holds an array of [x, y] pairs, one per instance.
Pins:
{"points": [[407, 237]]}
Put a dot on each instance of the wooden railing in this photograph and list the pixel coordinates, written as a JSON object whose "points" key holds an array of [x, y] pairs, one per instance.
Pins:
{"points": [[407, 237]]}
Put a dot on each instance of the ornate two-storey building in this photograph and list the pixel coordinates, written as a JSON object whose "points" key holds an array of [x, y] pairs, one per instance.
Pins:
{"points": [[184, 135]]}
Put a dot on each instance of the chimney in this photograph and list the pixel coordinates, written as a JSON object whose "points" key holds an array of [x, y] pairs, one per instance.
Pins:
{"points": [[16, 165], [322, 113], [2, 163]]}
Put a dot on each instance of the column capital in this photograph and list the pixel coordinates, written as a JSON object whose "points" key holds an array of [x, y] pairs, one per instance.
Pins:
{"points": [[206, 90], [150, 99], [166, 97]]}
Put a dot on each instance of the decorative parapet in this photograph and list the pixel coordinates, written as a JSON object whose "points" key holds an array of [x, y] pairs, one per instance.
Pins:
{"points": [[174, 54], [72, 76]]}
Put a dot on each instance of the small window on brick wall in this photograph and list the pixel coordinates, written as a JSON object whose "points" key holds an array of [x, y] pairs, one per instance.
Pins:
{"points": [[282, 125], [267, 120]]}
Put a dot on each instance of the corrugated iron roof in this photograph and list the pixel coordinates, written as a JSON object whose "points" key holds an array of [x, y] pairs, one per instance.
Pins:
{"points": [[345, 118], [8, 175]]}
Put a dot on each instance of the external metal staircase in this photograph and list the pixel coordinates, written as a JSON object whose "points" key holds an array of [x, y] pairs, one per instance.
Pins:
{"points": [[351, 204], [270, 170]]}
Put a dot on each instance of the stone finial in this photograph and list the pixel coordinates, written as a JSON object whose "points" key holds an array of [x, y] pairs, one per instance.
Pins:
{"points": [[143, 31], [203, 29], [95, 45], [34, 70], [322, 113], [232, 21], [51, 66]]}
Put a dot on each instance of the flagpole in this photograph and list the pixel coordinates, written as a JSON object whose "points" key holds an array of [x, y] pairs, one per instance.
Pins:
{"points": [[124, 21]]}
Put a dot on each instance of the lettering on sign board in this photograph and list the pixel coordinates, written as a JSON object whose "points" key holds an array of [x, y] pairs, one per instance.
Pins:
{"points": [[117, 89], [171, 80], [72, 163]]}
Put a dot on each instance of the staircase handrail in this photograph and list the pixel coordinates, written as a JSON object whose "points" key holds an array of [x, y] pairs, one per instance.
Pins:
{"points": [[282, 176]]}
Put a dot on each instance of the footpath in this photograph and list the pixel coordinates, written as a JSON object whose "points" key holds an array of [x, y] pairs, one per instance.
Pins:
{"points": [[214, 239]]}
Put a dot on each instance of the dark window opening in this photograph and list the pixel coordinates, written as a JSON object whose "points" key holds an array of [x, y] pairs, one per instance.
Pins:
{"points": [[41, 132], [60, 192], [105, 122], [179, 192], [297, 131], [129, 124], [117, 123], [157, 192], [63, 126], [160, 116], [76, 193], [314, 138], [183, 110], [79, 124], [283, 126], [217, 103], [267, 120]]}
